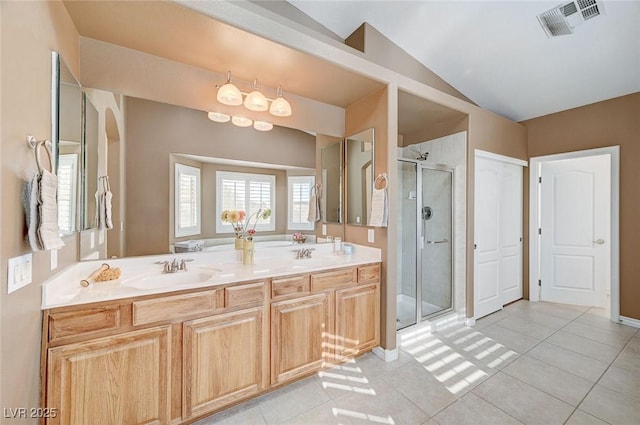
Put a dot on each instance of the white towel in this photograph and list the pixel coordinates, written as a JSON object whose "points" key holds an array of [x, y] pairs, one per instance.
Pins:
{"points": [[314, 205], [104, 198], [379, 214], [30, 201], [48, 231]]}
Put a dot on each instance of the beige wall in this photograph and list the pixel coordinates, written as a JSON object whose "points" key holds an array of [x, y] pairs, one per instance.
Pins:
{"points": [[379, 49], [29, 32], [609, 123], [155, 130], [371, 112]]}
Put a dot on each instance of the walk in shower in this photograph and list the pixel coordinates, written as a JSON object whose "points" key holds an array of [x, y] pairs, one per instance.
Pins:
{"points": [[425, 241]]}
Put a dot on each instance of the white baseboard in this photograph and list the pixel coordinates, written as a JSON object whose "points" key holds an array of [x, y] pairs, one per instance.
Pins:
{"points": [[470, 321], [386, 355], [630, 322]]}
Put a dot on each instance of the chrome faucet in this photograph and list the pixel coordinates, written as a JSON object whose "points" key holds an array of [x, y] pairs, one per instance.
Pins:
{"points": [[303, 253], [173, 266]]}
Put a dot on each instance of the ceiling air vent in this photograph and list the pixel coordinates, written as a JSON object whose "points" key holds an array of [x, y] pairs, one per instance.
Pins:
{"points": [[562, 19]]}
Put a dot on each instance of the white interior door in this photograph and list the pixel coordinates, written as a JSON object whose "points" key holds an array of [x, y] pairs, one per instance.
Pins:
{"points": [[498, 235], [575, 224], [511, 233], [487, 293]]}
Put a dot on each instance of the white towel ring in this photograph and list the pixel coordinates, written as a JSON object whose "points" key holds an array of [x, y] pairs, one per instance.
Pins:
{"points": [[381, 177], [43, 144]]}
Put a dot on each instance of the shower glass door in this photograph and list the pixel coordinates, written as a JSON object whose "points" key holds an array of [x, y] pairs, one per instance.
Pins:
{"points": [[407, 245], [436, 256], [425, 281]]}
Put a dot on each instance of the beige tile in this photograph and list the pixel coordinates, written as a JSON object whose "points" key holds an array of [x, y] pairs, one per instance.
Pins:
{"points": [[559, 310], [633, 345], [626, 382], [472, 410], [611, 407], [616, 337], [292, 400], [575, 363], [556, 382], [510, 339], [325, 414], [527, 327], [581, 418], [628, 360], [491, 319], [605, 323], [247, 413], [597, 311], [585, 346], [542, 318], [387, 406], [433, 390], [431, 422], [522, 401]]}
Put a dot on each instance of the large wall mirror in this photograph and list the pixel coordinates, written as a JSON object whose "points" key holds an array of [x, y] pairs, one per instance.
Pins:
{"points": [[90, 139], [67, 143], [359, 164], [331, 174]]}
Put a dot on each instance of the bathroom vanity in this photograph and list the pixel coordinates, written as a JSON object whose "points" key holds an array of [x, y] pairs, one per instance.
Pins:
{"points": [[172, 353]]}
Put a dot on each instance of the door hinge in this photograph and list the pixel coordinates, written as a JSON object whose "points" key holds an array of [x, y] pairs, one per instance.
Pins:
{"points": [[475, 246], [539, 179], [539, 282], [539, 230]]}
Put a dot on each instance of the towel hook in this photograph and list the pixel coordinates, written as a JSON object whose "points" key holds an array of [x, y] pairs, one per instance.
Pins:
{"points": [[383, 177]]}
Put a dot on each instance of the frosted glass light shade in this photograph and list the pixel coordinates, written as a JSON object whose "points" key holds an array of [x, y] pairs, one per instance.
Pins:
{"points": [[255, 101], [241, 121], [218, 117], [280, 107], [229, 95], [262, 125]]}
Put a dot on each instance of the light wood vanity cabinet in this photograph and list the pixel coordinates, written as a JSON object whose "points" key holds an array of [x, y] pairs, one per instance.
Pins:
{"points": [[171, 358], [91, 382]]}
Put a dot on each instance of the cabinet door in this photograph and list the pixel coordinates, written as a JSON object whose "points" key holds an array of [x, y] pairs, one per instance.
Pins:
{"points": [[357, 320], [300, 337], [223, 360], [122, 379]]}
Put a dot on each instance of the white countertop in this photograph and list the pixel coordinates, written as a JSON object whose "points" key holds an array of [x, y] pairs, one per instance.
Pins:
{"points": [[142, 276]]}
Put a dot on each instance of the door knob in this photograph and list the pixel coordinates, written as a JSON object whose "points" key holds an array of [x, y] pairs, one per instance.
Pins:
{"points": [[599, 241]]}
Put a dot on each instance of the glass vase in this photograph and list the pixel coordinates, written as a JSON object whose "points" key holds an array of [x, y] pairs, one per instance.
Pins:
{"points": [[247, 253], [239, 243]]}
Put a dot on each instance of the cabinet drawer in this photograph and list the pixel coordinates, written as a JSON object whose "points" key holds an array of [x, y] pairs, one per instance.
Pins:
{"points": [[83, 322], [174, 307], [333, 279], [369, 274], [244, 295], [289, 286]]}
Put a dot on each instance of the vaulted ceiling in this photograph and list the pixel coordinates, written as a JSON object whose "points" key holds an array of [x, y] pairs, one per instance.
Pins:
{"points": [[496, 52]]}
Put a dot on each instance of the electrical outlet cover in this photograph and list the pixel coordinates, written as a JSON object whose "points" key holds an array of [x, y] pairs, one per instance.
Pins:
{"points": [[19, 272]]}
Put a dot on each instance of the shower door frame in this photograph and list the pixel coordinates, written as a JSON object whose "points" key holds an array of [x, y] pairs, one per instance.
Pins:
{"points": [[419, 237]]}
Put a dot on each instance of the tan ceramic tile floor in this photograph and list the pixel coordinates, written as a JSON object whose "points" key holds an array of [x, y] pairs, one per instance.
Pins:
{"points": [[532, 363]]}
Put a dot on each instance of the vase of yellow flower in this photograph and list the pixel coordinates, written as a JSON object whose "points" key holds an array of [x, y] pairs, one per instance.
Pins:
{"points": [[235, 218], [248, 247]]}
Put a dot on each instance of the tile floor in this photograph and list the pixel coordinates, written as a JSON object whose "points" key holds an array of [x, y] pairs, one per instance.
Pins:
{"points": [[531, 363]]}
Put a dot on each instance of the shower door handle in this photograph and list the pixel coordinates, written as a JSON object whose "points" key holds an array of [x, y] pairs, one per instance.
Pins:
{"points": [[436, 242]]}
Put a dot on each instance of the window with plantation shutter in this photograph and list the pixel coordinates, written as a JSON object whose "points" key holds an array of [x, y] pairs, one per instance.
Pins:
{"points": [[298, 202], [187, 200], [67, 192], [247, 192]]}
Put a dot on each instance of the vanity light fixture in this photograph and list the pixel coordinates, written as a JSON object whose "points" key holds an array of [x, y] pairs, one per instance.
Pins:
{"points": [[229, 94], [280, 107], [255, 101], [262, 125], [218, 117], [241, 121]]}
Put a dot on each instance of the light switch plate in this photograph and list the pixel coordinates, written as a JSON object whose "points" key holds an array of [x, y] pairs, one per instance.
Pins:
{"points": [[324, 230], [20, 272], [92, 239], [371, 235]]}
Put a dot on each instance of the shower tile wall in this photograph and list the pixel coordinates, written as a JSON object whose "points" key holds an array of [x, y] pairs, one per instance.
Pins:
{"points": [[450, 151]]}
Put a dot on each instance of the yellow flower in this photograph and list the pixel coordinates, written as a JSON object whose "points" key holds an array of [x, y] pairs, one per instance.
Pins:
{"points": [[225, 216], [234, 216]]}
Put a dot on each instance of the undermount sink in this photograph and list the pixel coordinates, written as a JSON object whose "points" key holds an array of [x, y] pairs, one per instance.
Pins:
{"points": [[154, 280]]}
